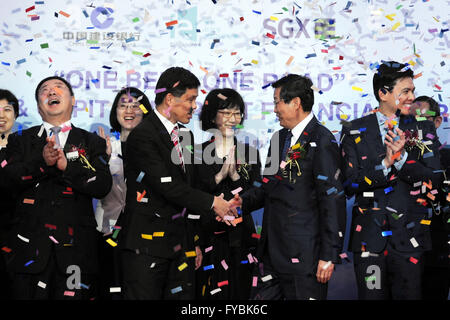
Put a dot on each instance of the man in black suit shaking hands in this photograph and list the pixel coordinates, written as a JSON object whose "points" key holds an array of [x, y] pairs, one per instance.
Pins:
{"points": [[159, 239], [304, 204]]}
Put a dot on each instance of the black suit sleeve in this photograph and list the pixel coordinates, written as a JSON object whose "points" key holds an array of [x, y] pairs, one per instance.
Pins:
{"points": [[354, 173], [331, 199], [144, 155], [85, 180], [25, 168], [423, 167]]}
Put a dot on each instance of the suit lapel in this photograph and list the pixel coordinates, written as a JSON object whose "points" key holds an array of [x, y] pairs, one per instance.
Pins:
{"points": [[162, 131], [372, 135], [165, 137], [74, 138]]}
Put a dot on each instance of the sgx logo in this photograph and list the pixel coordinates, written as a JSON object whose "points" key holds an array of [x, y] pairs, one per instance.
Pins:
{"points": [[323, 28], [187, 24]]}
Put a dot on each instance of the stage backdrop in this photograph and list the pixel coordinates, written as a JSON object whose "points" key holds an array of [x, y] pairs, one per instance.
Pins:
{"points": [[99, 47]]}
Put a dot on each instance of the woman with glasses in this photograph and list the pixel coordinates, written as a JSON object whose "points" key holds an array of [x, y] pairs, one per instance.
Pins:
{"points": [[130, 106], [9, 111], [228, 167]]}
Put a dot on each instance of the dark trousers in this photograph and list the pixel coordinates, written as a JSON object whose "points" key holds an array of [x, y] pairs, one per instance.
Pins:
{"points": [[147, 277], [109, 270], [436, 283], [30, 286], [389, 276], [5, 281], [284, 286]]}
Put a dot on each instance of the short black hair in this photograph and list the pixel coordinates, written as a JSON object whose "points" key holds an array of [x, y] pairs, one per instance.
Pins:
{"points": [[219, 99], [131, 91], [434, 106], [36, 93], [388, 74], [175, 80], [294, 85], [12, 100]]}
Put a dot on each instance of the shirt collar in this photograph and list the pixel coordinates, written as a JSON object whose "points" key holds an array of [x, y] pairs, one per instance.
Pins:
{"points": [[48, 126], [298, 129], [166, 122]]}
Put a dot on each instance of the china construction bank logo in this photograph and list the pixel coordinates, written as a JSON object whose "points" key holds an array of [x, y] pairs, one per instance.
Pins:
{"points": [[185, 25]]}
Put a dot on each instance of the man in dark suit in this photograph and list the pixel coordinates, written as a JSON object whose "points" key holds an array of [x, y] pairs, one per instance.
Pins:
{"points": [[436, 277], [158, 237], [55, 169], [391, 164], [304, 203]]}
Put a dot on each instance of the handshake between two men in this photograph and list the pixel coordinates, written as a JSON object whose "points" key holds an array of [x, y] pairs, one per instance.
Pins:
{"points": [[226, 211]]}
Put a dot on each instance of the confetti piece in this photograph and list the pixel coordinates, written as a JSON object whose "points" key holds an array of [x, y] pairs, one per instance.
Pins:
{"points": [[44, 45], [358, 228], [386, 233], [111, 243], [357, 88], [266, 278], [325, 267], [236, 191], [222, 283], [4, 163], [414, 242], [28, 263], [53, 239], [213, 292], [146, 236], [141, 176], [254, 281], [115, 289], [171, 23], [42, 285], [209, 267], [159, 234], [64, 14], [413, 260], [426, 222], [28, 201], [368, 181], [166, 179], [289, 61], [190, 254], [224, 264], [6, 249], [182, 266]]}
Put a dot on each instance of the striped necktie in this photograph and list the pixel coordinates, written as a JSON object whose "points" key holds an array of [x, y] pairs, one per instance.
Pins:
{"points": [[176, 143]]}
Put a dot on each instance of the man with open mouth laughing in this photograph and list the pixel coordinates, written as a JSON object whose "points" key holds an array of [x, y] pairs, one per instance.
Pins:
{"points": [[52, 240]]}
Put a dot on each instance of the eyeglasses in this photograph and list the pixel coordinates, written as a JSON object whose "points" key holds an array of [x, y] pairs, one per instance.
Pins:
{"points": [[134, 107], [277, 102], [229, 114]]}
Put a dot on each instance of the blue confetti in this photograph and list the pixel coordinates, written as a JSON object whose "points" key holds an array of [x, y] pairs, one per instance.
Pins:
{"points": [[140, 176]]}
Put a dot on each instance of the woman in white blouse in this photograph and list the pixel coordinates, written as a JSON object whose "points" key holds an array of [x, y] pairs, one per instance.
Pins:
{"points": [[129, 108]]}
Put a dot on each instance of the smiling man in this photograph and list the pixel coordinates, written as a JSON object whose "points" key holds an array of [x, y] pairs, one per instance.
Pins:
{"points": [[393, 187], [55, 169], [304, 203], [160, 252]]}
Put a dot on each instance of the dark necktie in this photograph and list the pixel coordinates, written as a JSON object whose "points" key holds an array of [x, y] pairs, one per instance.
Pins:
{"points": [[287, 144]]}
